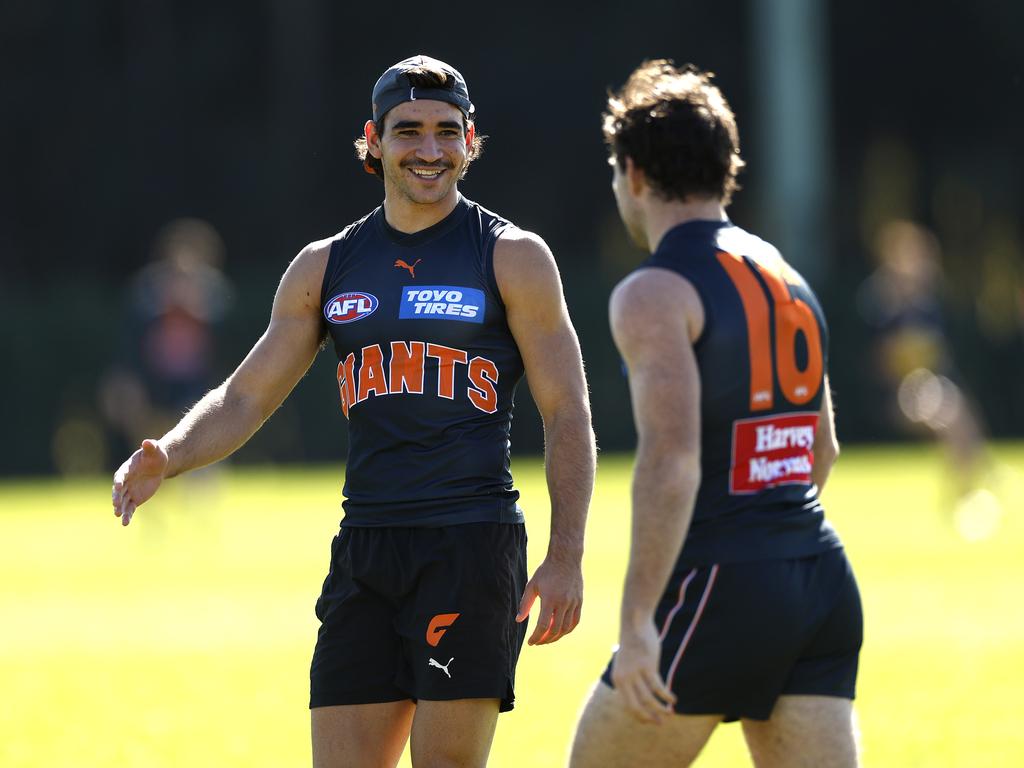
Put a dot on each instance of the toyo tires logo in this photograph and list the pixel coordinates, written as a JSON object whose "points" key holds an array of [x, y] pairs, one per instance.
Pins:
{"points": [[349, 307]]}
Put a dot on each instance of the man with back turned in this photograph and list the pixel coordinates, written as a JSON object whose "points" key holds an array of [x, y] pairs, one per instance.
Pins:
{"points": [[739, 603]]}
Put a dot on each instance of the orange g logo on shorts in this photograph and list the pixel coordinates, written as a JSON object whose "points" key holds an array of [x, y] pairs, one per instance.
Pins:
{"points": [[438, 626]]}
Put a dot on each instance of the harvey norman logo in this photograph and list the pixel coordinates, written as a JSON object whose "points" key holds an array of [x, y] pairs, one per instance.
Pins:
{"points": [[773, 438], [770, 451], [442, 302]]}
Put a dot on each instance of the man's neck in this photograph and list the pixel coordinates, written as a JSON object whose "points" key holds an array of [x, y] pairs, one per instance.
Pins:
{"points": [[408, 217], [663, 215]]}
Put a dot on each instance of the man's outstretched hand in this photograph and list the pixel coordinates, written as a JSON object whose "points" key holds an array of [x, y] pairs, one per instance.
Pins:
{"points": [[137, 479]]}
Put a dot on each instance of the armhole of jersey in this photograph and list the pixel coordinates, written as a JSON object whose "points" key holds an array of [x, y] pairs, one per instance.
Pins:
{"points": [[491, 277], [819, 312], [709, 312], [332, 265]]}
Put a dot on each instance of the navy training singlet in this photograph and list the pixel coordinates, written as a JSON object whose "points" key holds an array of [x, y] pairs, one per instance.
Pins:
{"points": [[762, 358], [427, 373]]}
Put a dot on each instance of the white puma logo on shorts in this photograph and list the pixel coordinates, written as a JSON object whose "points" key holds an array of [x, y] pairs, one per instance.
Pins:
{"points": [[442, 667]]}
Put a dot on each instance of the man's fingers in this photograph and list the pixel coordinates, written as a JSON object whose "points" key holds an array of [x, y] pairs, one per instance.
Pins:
{"points": [[629, 700], [560, 621], [117, 491], [653, 708], [544, 620], [551, 626], [572, 618], [529, 595], [555, 623], [126, 510], [639, 700], [659, 689], [576, 616], [645, 695]]}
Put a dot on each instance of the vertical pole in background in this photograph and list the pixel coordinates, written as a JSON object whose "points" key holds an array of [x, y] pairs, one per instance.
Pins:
{"points": [[791, 130]]}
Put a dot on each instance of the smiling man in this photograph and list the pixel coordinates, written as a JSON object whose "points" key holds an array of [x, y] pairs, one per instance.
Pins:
{"points": [[436, 308]]}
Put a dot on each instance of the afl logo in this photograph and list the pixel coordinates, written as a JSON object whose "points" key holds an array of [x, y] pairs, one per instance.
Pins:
{"points": [[349, 307]]}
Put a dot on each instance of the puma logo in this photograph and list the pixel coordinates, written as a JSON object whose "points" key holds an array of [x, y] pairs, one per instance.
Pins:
{"points": [[442, 667], [411, 267]]}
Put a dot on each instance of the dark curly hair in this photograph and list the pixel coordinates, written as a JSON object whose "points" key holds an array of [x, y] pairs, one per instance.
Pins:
{"points": [[420, 77], [679, 130]]}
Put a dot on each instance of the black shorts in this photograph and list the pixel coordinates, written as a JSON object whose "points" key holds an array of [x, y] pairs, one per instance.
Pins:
{"points": [[420, 613], [736, 636]]}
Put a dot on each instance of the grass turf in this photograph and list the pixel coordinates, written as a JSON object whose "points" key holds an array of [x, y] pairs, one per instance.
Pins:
{"points": [[185, 639]]}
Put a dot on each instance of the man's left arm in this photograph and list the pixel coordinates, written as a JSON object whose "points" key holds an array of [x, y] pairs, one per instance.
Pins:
{"points": [[531, 289]]}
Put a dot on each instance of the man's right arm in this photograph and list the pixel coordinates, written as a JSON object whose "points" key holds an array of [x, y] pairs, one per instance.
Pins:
{"points": [[656, 315], [228, 416]]}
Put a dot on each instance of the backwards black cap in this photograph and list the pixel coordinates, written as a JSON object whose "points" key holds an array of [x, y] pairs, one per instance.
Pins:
{"points": [[394, 87]]}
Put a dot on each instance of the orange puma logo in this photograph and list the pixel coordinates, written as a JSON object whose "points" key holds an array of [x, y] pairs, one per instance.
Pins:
{"points": [[438, 626], [410, 267]]}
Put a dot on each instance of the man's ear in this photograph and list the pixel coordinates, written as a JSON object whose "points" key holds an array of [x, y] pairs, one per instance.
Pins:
{"points": [[470, 135], [372, 139], [635, 176]]}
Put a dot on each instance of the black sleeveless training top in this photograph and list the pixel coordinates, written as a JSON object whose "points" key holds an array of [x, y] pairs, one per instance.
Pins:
{"points": [[427, 373], [762, 357]]}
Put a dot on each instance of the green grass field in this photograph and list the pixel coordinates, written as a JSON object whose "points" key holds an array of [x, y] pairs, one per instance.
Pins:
{"points": [[184, 640]]}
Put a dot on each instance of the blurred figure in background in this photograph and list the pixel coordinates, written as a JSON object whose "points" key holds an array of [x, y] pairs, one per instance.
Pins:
{"points": [[168, 355], [902, 301]]}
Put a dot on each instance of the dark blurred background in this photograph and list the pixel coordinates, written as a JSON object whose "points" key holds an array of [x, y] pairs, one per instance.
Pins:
{"points": [[161, 162]]}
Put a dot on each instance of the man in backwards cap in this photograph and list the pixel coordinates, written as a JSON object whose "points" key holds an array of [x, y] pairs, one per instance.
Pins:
{"points": [[436, 308]]}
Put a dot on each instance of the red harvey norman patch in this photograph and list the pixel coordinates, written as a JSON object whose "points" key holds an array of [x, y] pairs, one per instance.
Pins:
{"points": [[772, 450]]}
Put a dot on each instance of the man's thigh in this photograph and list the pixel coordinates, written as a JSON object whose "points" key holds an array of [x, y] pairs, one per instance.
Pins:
{"points": [[804, 731], [609, 737], [360, 735], [458, 732]]}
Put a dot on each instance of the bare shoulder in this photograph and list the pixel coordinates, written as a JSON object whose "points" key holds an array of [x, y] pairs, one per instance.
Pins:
{"points": [[654, 284], [302, 280], [653, 300], [518, 250], [513, 241], [524, 263], [311, 261]]}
